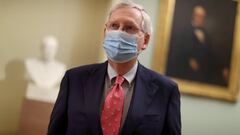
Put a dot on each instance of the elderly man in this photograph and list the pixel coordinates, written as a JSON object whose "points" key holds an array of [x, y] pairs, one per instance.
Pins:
{"points": [[120, 96]]}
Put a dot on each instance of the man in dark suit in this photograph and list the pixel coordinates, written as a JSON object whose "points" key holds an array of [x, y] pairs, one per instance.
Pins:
{"points": [[120, 96], [192, 47]]}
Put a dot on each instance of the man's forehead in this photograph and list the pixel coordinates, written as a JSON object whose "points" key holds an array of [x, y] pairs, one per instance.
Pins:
{"points": [[126, 12]]}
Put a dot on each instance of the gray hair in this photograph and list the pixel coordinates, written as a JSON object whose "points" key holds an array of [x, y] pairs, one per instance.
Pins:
{"points": [[146, 22]]}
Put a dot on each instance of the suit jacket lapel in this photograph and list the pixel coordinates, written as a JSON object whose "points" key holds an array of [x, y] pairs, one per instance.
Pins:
{"points": [[144, 91], [93, 92]]}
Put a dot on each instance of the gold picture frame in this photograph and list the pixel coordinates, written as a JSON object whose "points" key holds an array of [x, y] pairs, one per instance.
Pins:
{"points": [[188, 86]]}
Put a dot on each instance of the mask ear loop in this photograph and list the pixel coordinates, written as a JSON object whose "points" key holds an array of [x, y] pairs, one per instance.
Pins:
{"points": [[141, 49], [139, 52]]}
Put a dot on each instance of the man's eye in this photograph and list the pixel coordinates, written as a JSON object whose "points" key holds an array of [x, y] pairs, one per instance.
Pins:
{"points": [[130, 29], [114, 26]]}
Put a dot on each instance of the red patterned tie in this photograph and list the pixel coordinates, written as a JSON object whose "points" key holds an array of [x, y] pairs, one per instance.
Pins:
{"points": [[113, 108]]}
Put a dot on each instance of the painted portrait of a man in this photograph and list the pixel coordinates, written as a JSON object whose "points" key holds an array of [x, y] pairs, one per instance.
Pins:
{"points": [[201, 41]]}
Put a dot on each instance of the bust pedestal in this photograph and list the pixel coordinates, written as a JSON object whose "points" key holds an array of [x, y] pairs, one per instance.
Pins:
{"points": [[35, 117]]}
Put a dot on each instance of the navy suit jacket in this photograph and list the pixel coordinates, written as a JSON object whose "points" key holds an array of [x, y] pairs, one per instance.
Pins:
{"points": [[154, 108]]}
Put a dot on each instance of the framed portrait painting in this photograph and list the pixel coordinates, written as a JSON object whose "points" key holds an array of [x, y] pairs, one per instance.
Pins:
{"points": [[197, 46]]}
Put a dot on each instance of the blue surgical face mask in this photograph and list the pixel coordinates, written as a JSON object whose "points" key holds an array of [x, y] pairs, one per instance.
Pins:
{"points": [[120, 46]]}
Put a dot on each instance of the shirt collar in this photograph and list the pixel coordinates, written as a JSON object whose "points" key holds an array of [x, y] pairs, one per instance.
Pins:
{"points": [[129, 76]]}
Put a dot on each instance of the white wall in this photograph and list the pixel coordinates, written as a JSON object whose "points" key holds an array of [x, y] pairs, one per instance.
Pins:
{"points": [[200, 116]]}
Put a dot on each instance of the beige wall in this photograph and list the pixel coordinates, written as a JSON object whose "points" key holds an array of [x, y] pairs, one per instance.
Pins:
{"points": [[78, 24]]}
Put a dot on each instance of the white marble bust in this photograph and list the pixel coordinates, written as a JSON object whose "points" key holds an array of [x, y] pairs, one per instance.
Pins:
{"points": [[45, 73]]}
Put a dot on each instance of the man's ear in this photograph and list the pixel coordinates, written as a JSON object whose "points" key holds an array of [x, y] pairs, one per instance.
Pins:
{"points": [[146, 41], [104, 31]]}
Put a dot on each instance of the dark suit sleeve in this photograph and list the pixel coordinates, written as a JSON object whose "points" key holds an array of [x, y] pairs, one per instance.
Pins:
{"points": [[58, 121], [173, 119]]}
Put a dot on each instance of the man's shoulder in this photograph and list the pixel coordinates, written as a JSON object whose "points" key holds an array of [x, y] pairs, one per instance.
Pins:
{"points": [[86, 69], [158, 78]]}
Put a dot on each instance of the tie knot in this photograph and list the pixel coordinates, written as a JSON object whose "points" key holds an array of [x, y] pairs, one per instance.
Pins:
{"points": [[119, 80]]}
